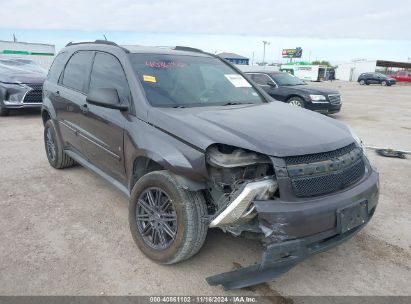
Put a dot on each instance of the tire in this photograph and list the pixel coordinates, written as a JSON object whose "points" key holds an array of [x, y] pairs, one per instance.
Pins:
{"points": [[362, 82], [4, 111], [384, 83], [367, 83], [188, 207], [54, 150], [296, 102]]}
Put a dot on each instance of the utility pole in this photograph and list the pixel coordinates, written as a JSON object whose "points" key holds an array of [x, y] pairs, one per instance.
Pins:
{"points": [[265, 43], [252, 61]]}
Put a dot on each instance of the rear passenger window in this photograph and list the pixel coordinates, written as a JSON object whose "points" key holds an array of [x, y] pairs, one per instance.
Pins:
{"points": [[108, 73], [57, 67], [76, 72]]}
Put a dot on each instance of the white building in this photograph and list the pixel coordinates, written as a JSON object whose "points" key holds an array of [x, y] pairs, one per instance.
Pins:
{"points": [[266, 68], [351, 70], [43, 54]]}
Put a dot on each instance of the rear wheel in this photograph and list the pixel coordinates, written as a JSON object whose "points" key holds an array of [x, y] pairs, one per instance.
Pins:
{"points": [[362, 82], [296, 102], [54, 151], [168, 224]]}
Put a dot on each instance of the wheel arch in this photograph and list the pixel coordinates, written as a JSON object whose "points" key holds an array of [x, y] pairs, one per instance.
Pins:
{"points": [[144, 164], [45, 116], [295, 95]]}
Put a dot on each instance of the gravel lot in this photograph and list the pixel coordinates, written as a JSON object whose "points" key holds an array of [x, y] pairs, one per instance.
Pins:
{"points": [[65, 232]]}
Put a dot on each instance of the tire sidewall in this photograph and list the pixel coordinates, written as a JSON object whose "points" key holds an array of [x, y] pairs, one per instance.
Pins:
{"points": [[59, 152], [362, 82], [167, 185]]}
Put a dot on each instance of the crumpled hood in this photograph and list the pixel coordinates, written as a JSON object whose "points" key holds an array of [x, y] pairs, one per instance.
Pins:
{"points": [[274, 128]]}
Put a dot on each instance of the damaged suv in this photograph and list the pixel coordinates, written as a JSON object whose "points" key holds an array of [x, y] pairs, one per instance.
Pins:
{"points": [[195, 145]]}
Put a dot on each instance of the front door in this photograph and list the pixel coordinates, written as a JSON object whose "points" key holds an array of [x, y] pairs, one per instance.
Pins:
{"points": [[104, 128]]}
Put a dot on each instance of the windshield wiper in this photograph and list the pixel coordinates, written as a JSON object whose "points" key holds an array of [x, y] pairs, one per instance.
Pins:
{"points": [[235, 103], [179, 107]]}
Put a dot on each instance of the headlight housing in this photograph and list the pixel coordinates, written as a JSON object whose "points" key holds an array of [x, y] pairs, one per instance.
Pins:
{"points": [[318, 98], [15, 91], [359, 141]]}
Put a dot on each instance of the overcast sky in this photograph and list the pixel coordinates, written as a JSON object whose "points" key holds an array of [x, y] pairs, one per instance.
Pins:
{"points": [[326, 29]]}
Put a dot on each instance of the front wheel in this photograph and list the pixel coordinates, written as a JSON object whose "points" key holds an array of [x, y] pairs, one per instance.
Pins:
{"points": [[296, 102], [168, 224], [384, 83]]}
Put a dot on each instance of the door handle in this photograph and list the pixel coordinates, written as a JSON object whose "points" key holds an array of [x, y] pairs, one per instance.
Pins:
{"points": [[58, 93], [84, 108]]}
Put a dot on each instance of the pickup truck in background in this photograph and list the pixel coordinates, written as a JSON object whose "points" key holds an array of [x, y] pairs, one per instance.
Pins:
{"points": [[404, 76]]}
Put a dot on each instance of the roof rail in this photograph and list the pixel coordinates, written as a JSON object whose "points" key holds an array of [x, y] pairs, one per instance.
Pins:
{"points": [[95, 42], [187, 48]]}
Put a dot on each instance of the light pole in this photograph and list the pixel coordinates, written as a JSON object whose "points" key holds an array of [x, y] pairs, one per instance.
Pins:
{"points": [[265, 43]]}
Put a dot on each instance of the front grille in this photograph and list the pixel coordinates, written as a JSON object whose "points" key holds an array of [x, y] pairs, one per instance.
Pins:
{"points": [[334, 99], [311, 158], [330, 182], [35, 95], [322, 173]]}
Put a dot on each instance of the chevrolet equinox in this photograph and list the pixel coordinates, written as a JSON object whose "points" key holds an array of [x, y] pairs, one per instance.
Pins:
{"points": [[195, 145]]}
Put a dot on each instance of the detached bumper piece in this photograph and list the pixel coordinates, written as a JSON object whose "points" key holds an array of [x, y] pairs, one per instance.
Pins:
{"points": [[278, 258]]}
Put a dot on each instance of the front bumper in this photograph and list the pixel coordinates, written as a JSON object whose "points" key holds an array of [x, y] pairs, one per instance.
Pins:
{"points": [[20, 105], [326, 108], [297, 230]]}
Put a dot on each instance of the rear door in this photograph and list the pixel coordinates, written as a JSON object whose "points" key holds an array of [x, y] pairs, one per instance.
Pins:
{"points": [[375, 79], [70, 98], [103, 127]]}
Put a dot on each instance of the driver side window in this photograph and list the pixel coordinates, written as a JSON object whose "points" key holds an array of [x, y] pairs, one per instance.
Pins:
{"points": [[260, 79], [107, 72]]}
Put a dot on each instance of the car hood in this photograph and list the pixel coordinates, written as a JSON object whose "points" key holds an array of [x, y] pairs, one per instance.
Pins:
{"points": [[274, 128], [314, 90], [28, 73], [23, 78]]}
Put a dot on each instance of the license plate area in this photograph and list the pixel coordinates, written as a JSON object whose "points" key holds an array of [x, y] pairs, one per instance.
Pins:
{"points": [[352, 216]]}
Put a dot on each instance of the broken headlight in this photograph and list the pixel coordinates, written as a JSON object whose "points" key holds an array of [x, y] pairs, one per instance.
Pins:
{"points": [[359, 141]]}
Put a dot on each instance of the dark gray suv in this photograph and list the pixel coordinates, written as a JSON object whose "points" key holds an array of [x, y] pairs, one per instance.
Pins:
{"points": [[195, 145]]}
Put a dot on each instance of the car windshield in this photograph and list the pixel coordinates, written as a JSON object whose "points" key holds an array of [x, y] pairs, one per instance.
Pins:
{"points": [[285, 79], [191, 81], [380, 75]]}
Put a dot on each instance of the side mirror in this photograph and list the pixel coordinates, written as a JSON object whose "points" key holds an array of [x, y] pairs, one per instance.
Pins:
{"points": [[106, 98], [271, 84]]}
